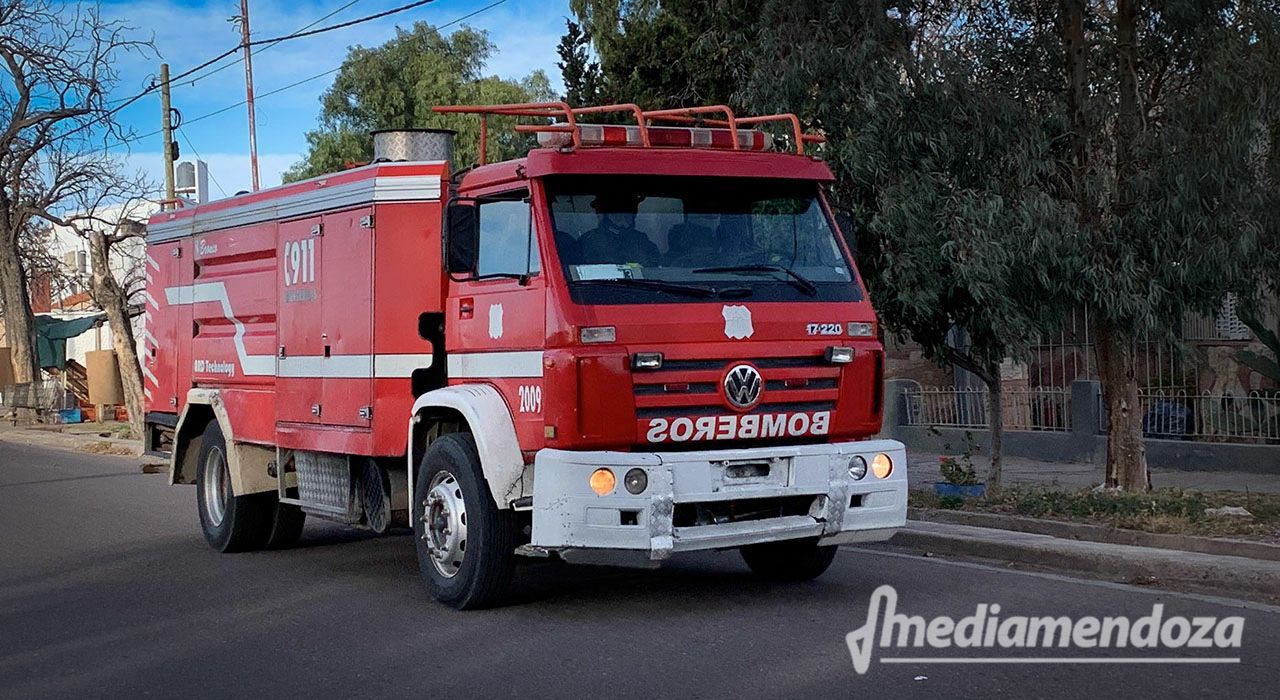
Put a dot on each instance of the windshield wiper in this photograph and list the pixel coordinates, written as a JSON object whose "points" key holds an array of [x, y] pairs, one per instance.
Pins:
{"points": [[655, 285], [796, 279]]}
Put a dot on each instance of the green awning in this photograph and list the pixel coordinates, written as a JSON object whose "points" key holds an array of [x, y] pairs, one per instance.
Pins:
{"points": [[52, 334]]}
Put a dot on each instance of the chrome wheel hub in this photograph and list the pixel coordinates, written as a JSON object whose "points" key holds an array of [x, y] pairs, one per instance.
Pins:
{"points": [[216, 485], [444, 523]]}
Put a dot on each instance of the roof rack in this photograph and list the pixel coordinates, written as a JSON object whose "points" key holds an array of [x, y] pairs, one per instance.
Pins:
{"points": [[567, 122]]}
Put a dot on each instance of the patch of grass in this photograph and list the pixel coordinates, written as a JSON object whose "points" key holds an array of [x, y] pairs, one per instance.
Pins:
{"points": [[1164, 511], [105, 447]]}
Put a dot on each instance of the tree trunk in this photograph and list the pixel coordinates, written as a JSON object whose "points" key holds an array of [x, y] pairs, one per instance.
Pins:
{"points": [[1075, 66], [108, 294], [995, 414], [19, 322], [1128, 119], [1126, 451]]}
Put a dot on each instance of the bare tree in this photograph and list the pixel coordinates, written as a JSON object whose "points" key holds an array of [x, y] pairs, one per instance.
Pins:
{"points": [[108, 217], [54, 119]]}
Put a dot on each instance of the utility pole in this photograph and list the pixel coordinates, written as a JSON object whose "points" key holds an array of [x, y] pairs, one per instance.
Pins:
{"points": [[248, 88], [166, 128]]}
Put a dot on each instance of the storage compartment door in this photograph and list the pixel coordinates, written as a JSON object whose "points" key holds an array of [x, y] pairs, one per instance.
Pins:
{"points": [[300, 249], [346, 284]]}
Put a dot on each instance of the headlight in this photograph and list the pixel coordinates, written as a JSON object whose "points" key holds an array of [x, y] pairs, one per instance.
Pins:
{"points": [[857, 467], [636, 481]]}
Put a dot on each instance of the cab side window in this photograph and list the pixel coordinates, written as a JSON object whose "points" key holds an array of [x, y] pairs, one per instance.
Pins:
{"points": [[507, 244]]}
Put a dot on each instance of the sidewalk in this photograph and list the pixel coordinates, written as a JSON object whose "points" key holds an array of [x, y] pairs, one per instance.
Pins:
{"points": [[922, 472], [81, 437], [1241, 576]]}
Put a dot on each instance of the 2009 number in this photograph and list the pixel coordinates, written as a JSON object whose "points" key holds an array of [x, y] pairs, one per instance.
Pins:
{"points": [[300, 262], [531, 399]]}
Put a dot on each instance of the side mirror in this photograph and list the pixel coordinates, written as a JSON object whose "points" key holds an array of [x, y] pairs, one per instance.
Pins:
{"points": [[462, 239]]}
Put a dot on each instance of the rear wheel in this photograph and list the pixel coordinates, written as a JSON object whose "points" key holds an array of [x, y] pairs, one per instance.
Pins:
{"points": [[230, 523], [466, 546], [789, 560]]}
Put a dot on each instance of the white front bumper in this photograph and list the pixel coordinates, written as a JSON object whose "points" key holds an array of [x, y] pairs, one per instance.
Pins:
{"points": [[568, 517]]}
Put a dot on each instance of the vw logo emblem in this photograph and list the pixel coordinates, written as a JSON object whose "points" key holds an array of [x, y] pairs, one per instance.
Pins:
{"points": [[742, 386]]}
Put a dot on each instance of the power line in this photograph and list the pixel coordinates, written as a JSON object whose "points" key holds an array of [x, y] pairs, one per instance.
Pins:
{"points": [[290, 86], [192, 146], [274, 40], [299, 35], [240, 60]]}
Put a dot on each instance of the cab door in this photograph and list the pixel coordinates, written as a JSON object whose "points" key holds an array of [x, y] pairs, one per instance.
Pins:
{"points": [[496, 322]]}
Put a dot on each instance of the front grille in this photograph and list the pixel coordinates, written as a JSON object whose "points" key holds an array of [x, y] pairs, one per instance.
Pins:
{"points": [[740, 510], [717, 407], [762, 363], [691, 387]]}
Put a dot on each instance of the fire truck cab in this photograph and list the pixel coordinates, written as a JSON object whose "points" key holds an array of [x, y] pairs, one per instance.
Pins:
{"points": [[638, 340]]}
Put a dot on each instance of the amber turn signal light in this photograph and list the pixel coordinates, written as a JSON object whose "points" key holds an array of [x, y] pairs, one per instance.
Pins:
{"points": [[603, 481]]}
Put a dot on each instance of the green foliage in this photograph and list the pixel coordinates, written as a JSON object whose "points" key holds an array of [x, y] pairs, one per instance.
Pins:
{"points": [[581, 75], [954, 471], [669, 53], [395, 85], [945, 174], [1042, 503]]}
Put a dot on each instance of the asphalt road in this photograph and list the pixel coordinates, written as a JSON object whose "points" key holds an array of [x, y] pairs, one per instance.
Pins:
{"points": [[107, 589]]}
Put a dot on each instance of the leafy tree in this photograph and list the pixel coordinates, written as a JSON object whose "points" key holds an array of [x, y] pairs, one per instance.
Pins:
{"points": [[1007, 160], [396, 85], [581, 75], [669, 53], [959, 242], [1169, 108]]}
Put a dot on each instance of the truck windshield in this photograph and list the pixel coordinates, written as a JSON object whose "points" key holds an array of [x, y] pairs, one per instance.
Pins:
{"points": [[689, 239]]}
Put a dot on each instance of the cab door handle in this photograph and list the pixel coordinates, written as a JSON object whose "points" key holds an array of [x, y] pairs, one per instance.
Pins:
{"points": [[466, 308]]}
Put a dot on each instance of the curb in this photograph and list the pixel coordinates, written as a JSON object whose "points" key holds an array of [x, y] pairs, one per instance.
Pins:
{"points": [[1217, 574], [1101, 533]]}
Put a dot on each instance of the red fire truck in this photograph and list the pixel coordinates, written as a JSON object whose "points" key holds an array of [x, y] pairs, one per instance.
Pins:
{"points": [[640, 339]]}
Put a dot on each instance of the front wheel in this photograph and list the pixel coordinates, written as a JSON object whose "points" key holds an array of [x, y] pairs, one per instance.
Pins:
{"points": [[789, 560], [466, 546]]}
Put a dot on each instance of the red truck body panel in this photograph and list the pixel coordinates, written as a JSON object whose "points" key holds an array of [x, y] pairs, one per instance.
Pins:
{"points": [[304, 305], [301, 304]]}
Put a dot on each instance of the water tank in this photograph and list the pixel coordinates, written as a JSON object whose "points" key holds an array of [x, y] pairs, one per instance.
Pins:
{"points": [[413, 144]]}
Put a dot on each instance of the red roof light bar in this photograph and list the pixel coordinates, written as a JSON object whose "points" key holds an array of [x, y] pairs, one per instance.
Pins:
{"points": [[572, 133]]}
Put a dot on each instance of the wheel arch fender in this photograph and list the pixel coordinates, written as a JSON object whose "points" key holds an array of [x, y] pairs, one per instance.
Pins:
{"points": [[246, 463], [489, 419]]}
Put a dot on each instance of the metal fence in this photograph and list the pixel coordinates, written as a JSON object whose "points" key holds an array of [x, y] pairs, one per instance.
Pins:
{"points": [[1024, 409], [43, 396], [1058, 359], [1178, 415]]}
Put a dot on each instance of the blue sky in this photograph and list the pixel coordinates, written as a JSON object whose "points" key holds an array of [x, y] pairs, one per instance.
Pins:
{"points": [[189, 33]]}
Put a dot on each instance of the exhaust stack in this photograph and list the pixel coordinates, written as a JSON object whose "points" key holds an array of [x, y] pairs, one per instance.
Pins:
{"points": [[413, 145]]}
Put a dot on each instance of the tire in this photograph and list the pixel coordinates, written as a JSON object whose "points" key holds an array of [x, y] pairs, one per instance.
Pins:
{"points": [[286, 525], [789, 560], [230, 523], [466, 546]]}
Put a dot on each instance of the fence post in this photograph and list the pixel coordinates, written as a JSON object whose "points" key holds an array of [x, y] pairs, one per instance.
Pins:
{"points": [[895, 404], [1086, 407]]}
